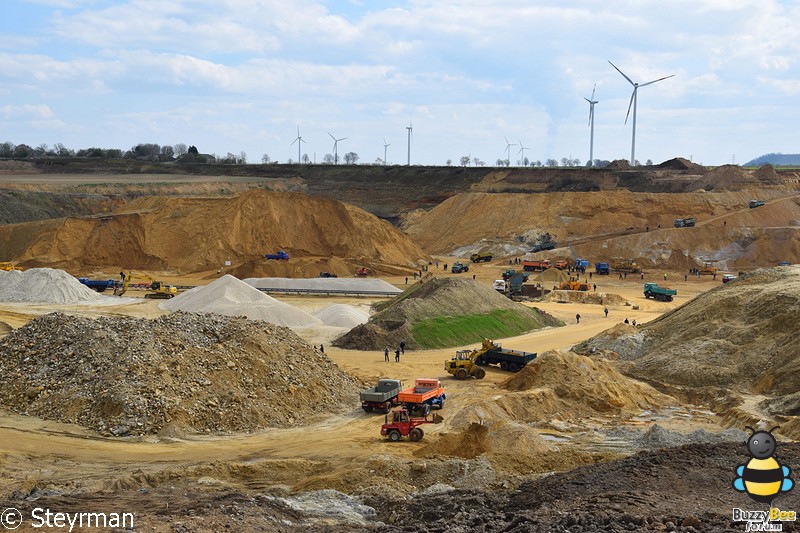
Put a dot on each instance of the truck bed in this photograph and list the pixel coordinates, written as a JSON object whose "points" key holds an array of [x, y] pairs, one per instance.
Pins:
{"points": [[410, 395]]}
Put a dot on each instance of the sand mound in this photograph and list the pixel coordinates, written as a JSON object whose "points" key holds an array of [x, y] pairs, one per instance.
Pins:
{"points": [[179, 372], [200, 234], [584, 381], [730, 177], [44, 285], [679, 163], [5, 328], [231, 297], [767, 174], [425, 314], [740, 335], [503, 437], [549, 276], [342, 316]]}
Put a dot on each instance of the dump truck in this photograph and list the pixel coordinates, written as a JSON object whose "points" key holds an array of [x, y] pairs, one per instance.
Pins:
{"points": [[755, 203], [602, 268], [685, 222], [540, 247], [477, 258], [627, 265], [362, 272], [572, 285], [381, 397], [561, 264], [405, 425], [280, 256], [491, 353], [425, 393], [510, 273], [655, 291], [99, 285], [458, 268], [531, 265]]}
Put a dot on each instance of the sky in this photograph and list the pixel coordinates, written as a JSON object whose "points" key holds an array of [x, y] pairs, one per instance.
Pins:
{"points": [[471, 77]]}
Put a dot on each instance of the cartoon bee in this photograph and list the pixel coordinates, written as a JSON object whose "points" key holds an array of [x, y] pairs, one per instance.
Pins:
{"points": [[762, 477]]}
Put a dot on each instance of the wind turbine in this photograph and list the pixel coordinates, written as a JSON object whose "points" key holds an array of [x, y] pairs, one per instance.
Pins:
{"points": [[522, 151], [299, 141], [508, 150], [336, 148], [410, 128], [633, 103], [592, 101], [385, 146]]}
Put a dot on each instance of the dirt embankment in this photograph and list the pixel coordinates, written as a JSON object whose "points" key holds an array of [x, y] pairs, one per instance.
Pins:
{"points": [[199, 234]]}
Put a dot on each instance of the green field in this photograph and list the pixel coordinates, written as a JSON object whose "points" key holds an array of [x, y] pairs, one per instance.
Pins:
{"points": [[447, 331]]}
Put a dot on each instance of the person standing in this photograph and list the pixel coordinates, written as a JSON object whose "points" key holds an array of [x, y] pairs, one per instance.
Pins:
{"points": [[321, 348], [397, 355], [578, 318], [386, 354], [665, 276], [402, 346], [606, 311]]}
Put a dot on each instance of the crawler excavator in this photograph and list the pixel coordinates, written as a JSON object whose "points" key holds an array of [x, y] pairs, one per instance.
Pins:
{"points": [[159, 290]]}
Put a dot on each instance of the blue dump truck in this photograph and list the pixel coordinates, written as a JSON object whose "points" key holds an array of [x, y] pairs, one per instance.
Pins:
{"points": [[98, 285], [662, 294], [602, 268], [281, 256]]}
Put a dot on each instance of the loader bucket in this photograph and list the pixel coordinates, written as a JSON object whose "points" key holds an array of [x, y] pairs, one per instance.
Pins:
{"points": [[437, 419]]}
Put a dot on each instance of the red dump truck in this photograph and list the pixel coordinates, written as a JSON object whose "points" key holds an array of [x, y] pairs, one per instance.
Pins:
{"points": [[531, 266], [425, 393]]}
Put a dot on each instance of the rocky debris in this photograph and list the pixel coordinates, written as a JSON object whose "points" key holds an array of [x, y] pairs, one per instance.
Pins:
{"points": [[657, 437], [232, 297], [435, 298], [181, 372], [44, 285]]}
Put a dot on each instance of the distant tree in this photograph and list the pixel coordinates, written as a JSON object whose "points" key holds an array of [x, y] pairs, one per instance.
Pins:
{"points": [[40, 151], [265, 158], [526, 162], [179, 149], [536, 163], [636, 163], [23, 151], [113, 153], [449, 163], [242, 159], [477, 162], [350, 158], [167, 153], [551, 163], [289, 161], [649, 162], [192, 150], [499, 162], [62, 151], [91, 152], [565, 162], [327, 159], [7, 149], [465, 161], [306, 159]]}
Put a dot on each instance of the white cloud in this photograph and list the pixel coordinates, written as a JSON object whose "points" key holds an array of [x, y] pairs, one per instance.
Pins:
{"points": [[26, 112]]}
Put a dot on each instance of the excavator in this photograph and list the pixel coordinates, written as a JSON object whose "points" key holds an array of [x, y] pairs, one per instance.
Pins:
{"points": [[159, 290], [9, 266]]}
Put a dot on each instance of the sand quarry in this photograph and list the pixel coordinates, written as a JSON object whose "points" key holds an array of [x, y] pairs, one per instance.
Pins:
{"points": [[217, 409]]}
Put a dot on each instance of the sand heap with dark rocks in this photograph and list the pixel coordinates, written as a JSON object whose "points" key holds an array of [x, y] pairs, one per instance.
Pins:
{"points": [[426, 315], [741, 335], [181, 372]]}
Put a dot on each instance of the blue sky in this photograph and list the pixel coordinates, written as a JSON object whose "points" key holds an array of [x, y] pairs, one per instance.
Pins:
{"points": [[242, 75]]}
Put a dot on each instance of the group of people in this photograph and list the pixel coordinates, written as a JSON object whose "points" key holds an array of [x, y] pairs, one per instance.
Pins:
{"points": [[401, 349]]}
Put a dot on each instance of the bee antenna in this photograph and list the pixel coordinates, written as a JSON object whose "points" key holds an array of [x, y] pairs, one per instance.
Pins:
{"points": [[773, 429], [750, 428]]}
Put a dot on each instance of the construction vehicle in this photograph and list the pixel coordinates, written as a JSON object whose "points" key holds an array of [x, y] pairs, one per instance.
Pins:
{"points": [[655, 291], [362, 272], [404, 425], [99, 285], [499, 285], [708, 268], [280, 256], [7, 267], [381, 397], [572, 285], [425, 393], [531, 265], [728, 277], [463, 365], [160, 291], [477, 258], [755, 203], [510, 273], [627, 265], [458, 268], [685, 222], [580, 264], [540, 247], [561, 264], [491, 353], [602, 268], [327, 275]]}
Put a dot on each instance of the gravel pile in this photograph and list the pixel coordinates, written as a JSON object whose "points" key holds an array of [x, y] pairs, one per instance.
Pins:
{"points": [[44, 285], [181, 372], [657, 437], [342, 316], [231, 297], [337, 284]]}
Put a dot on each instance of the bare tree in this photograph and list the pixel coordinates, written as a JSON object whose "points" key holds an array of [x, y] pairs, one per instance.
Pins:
{"points": [[265, 158], [242, 159], [179, 149], [464, 160], [327, 159], [306, 159], [350, 158]]}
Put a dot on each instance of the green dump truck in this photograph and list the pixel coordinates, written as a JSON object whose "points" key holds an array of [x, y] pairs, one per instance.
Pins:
{"points": [[662, 294]]}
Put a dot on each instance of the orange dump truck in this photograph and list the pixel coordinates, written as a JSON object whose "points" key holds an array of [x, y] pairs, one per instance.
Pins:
{"points": [[531, 266], [425, 393]]}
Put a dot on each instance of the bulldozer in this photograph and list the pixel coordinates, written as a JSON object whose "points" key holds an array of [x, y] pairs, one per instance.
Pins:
{"points": [[626, 265], [708, 268], [159, 290], [7, 267], [572, 285]]}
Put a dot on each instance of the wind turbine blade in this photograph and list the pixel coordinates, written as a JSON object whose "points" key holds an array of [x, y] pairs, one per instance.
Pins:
{"points": [[343, 138], [633, 95], [659, 79], [623, 74], [587, 99], [593, 89], [507, 143]]}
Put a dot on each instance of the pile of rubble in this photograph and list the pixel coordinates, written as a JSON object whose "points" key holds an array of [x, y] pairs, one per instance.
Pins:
{"points": [[183, 372]]}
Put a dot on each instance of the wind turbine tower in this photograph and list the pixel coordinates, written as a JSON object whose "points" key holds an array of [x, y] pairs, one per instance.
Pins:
{"points": [[410, 128], [299, 140], [508, 150], [522, 151], [385, 146], [336, 148], [591, 101], [636, 87]]}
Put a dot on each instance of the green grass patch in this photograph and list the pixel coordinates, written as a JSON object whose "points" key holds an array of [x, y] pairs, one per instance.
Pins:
{"points": [[445, 331]]}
